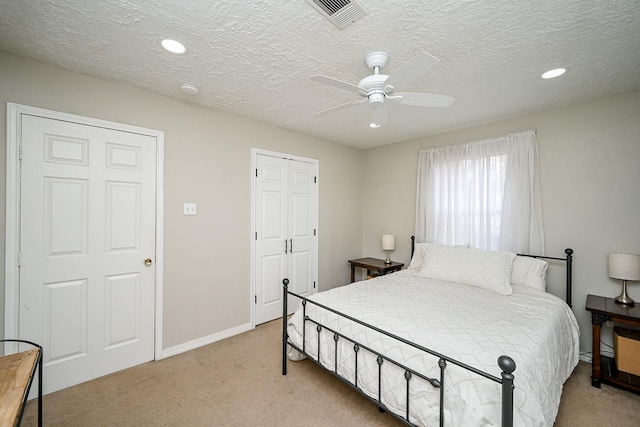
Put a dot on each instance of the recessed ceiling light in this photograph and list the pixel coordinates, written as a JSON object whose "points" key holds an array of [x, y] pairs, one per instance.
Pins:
{"points": [[554, 73], [189, 89], [173, 46], [373, 125]]}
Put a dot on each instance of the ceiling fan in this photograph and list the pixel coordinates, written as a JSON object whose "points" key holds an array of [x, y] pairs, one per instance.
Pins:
{"points": [[377, 88]]}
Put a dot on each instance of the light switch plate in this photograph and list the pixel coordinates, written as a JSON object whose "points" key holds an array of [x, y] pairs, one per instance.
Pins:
{"points": [[189, 208]]}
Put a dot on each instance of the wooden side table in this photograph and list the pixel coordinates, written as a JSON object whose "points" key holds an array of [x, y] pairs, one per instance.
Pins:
{"points": [[375, 265], [16, 376], [603, 368]]}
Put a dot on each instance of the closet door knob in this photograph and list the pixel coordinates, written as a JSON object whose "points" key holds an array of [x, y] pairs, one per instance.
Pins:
{"points": [[147, 261]]}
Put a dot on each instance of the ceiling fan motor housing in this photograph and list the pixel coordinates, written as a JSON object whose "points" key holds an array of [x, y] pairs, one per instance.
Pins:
{"points": [[376, 98], [373, 87]]}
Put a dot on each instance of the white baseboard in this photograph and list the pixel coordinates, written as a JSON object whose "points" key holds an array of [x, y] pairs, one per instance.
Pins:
{"points": [[585, 358], [192, 345]]}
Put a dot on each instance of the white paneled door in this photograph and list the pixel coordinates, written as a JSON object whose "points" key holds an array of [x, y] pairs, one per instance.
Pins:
{"points": [[87, 248], [286, 212]]}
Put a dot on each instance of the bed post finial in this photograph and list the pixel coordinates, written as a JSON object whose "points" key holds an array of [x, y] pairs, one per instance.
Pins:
{"points": [[569, 253], [285, 337], [508, 365], [413, 245]]}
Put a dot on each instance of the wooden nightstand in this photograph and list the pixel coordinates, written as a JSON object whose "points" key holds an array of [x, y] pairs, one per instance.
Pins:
{"points": [[374, 265], [17, 372], [603, 368]]}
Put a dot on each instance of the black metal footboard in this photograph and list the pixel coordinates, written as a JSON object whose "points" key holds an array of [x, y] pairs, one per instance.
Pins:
{"points": [[506, 364]]}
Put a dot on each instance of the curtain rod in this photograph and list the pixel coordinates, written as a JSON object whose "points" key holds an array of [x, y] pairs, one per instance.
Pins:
{"points": [[525, 132]]}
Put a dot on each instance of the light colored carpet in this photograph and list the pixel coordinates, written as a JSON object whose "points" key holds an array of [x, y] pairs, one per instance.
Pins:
{"points": [[238, 382]]}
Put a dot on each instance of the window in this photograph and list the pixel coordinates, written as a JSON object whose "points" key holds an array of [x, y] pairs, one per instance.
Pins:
{"points": [[485, 193]]}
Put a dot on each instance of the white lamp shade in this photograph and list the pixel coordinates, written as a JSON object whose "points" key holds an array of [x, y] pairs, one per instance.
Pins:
{"points": [[388, 242], [624, 266]]}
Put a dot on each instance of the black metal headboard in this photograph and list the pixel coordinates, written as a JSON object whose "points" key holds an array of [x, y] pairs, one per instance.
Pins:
{"points": [[568, 259]]}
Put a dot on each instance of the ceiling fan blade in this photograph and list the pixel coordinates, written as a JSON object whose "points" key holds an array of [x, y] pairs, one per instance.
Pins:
{"points": [[379, 113], [339, 107], [336, 83], [422, 99], [410, 71]]}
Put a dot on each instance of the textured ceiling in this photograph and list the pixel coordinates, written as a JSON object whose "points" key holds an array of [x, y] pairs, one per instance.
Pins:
{"points": [[254, 58]]}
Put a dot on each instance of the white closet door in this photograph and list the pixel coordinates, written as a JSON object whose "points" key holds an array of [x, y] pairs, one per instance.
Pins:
{"points": [[87, 225], [285, 225], [271, 236], [301, 213]]}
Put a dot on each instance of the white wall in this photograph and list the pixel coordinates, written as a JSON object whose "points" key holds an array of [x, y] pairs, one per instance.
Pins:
{"points": [[590, 179], [208, 161]]}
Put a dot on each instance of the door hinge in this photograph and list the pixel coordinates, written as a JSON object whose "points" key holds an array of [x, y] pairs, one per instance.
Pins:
{"points": [[256, 172], [20, 152], [315, 179], [255, 299], [314, 231], [19, 259], [314, 284], [256, 235]]}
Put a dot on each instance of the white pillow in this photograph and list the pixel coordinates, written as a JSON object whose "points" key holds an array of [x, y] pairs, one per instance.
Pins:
{"points": [[531, 272], [417, 261], [484, 269]]}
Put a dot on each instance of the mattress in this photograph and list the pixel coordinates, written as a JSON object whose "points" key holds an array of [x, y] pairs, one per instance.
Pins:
{"points": [[466, 323]]}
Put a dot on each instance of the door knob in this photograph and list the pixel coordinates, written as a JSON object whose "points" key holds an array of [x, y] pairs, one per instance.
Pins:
{"points": [[147, 261]]}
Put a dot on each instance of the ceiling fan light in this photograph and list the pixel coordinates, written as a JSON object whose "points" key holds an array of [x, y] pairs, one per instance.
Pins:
{"points": [[374, 125], [556, 72]]}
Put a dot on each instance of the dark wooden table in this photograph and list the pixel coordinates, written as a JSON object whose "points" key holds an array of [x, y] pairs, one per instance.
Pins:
{"points": [[603, 368], [375, 265]]}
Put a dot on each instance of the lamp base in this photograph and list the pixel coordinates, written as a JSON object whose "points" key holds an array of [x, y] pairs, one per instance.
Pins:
{"points": [[388, 260], [624, 298]]}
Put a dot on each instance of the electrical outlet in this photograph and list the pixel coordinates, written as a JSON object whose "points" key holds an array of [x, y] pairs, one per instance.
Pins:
{"points": [[189, 208]]}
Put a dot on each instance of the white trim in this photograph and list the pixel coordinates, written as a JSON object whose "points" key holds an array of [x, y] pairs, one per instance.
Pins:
{"points": [[159, 245], [252, 239], [254, 164], [12, 237], [12, 214], [192, 345]]}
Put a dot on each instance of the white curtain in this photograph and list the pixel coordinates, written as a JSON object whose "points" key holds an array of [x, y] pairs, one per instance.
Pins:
{"points": [[486, 193]]}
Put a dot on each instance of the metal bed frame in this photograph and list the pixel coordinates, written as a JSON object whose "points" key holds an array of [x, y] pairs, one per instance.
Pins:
{"points": [[506, 363]]}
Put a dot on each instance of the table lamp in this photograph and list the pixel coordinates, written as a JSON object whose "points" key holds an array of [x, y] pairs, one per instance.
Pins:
{"points": [[624, 267], [388, 244]]}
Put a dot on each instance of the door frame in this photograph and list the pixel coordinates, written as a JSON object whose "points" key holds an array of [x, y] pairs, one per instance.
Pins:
{"points": [[254, 160], [12, 237]]}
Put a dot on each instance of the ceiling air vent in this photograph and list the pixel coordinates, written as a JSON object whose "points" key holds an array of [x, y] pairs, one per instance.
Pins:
{"points": [[341, 13]]}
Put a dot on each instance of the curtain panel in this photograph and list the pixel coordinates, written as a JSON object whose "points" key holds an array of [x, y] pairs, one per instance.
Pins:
{"points": [[484, 193]]}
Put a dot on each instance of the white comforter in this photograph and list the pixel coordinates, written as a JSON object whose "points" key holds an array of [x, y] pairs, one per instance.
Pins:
{"points": [[471, 325]]}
